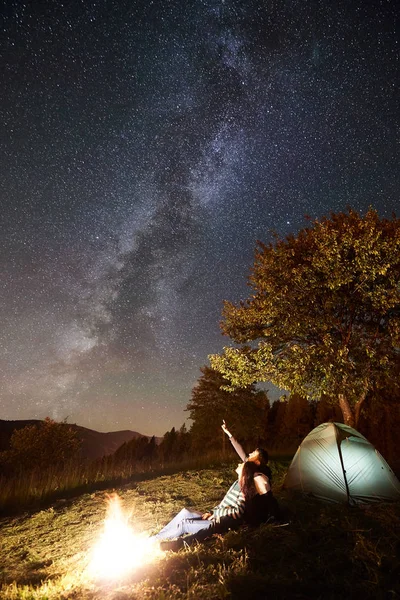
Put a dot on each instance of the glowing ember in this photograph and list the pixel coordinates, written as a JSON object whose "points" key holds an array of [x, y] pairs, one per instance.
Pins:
{"points": [[119, 550]]}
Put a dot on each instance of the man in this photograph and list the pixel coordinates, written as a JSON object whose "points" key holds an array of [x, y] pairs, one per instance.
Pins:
{"points": [[259, 456]]}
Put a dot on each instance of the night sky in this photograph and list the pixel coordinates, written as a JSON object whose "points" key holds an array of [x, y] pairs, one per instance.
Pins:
{"points": [[145, 147]]}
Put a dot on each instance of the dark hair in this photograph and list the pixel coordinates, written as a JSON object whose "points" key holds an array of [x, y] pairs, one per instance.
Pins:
{"points": [[262, 455], [263, 466], [246, 481]]}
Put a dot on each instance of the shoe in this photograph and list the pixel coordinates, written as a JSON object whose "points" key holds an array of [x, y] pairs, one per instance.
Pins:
{"points": [[172, 545]]}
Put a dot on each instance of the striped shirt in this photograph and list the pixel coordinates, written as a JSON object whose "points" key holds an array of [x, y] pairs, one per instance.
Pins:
{"points": [[232, 505]]}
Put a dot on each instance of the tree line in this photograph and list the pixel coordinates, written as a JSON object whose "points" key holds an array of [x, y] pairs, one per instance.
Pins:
{"points": [[280, 426]]}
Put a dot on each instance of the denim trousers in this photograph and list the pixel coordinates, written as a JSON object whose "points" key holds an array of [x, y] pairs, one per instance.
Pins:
{"points": [[184, 523], [190, 524]]}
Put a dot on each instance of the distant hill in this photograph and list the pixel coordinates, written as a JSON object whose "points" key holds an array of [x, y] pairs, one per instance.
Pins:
{"points": [[95, 444]]}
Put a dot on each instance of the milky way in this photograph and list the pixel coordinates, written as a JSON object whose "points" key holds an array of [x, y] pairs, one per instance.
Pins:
{"points": [[145, 147]]}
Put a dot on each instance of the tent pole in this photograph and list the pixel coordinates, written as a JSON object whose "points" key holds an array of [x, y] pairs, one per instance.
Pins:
{"points": [[341, 462]]}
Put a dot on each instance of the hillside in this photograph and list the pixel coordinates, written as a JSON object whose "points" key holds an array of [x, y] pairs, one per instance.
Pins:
{"points": [[326, 551], [95, 444]]}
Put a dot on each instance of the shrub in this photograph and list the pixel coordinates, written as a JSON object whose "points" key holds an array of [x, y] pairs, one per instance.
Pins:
{"points": [[41, 446]]}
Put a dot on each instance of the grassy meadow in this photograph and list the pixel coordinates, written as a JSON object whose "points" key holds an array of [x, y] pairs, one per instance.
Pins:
{"points": [[326, 551]]}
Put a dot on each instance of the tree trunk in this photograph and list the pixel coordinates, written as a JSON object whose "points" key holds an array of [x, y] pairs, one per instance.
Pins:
{"points": [[357, 411], [347, 412], [351, 416], [360, 401]]}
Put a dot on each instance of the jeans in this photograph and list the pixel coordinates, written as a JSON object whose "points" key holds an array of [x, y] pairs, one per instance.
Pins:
{"points": [[184, 522], [187, 522]]}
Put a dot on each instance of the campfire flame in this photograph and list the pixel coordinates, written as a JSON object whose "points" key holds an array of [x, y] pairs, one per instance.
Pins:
{"points": [[119, 550]]}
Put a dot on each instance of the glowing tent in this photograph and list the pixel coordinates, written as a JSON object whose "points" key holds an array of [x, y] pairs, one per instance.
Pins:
{"points": [[336, 463]]}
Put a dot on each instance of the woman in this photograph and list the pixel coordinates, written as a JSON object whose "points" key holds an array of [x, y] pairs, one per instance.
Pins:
{"points": [[229, 514], [197, 526], [260, 504]]}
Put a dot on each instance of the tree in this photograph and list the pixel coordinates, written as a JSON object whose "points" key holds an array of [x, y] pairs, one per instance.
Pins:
{"points": [[324, 315], [326, 410], [169, 445], [245, 410], [380, 419], [42, 446], [276, 423], [136, 450], [298, 422]]}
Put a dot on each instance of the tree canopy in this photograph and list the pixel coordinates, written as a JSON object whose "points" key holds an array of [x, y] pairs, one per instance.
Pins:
{"points": [[324, 315]]}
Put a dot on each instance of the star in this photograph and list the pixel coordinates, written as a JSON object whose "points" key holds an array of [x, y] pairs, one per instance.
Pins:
{"points": [[146, 148]]}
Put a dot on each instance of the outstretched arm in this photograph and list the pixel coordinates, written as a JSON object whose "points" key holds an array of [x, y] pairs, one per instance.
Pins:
{"points": [[238, 447]]}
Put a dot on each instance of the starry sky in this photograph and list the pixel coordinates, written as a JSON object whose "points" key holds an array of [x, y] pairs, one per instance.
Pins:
{"points": [[145, 146]]}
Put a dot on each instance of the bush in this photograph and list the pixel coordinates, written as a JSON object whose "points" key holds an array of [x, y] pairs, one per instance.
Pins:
{"points": [[41, 446]]}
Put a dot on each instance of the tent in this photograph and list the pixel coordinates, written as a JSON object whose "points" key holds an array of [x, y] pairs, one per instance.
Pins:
{"points": [[336, 463]]}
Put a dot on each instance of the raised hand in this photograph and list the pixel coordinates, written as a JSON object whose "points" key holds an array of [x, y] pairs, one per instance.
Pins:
{"points": [[225, 429]]}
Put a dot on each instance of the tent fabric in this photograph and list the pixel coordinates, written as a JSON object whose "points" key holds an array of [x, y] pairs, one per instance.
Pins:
{"points": [[338, 464]]}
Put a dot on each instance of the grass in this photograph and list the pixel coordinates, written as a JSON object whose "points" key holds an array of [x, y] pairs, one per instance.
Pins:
{"points": [[38, 488], [327, 551]]}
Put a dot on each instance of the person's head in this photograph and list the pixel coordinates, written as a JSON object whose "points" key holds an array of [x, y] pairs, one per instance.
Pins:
{"points": [[246, 478], [259, 456]]}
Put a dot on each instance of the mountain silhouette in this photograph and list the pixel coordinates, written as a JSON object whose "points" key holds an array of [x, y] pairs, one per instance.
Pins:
{"points": [[95, 444]]}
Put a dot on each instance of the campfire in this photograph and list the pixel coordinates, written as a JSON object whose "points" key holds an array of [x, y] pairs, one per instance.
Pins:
{"points": [[119, 550]]}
